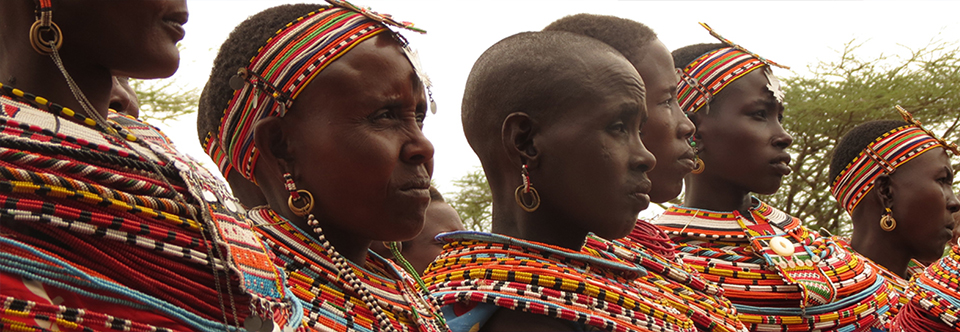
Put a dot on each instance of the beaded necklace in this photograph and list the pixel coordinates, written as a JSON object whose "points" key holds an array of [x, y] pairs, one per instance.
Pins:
{"points": [[702, 300], [96, 206], [934, 297], [592, 287], [777, 273], [329, 301]]}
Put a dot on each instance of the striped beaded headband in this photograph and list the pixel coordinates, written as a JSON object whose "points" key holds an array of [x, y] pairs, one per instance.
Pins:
{"points": [[883, 156], [704, 77], [288, 62]]}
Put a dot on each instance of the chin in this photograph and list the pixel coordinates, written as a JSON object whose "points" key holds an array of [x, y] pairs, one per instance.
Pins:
{"points": [[661, 193]]}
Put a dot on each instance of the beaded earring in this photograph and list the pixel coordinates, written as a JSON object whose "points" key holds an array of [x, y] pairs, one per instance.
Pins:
{"points": [[698, 163], [301, 197], [887, 222], [527, 189], [45, 27]]}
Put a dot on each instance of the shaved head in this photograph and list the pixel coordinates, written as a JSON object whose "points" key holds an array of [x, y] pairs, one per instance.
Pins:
{"points": [[537, 73]]}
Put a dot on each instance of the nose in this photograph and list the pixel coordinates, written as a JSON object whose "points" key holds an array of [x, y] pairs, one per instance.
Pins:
{"points": [[685, 127], [781, 138], [953, 204], [417, 150], [640, 158]]}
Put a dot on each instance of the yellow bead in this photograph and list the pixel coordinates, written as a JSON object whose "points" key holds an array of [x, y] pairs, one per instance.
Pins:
{"points": [[18, 93], [68, 112], [41, 100], [90, 122], [131, 138]]}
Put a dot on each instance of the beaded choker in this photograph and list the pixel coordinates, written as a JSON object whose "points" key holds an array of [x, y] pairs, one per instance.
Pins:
{"points": [[883, 156]]}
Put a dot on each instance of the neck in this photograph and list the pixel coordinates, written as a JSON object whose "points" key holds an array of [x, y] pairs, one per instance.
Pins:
{"points": [[539, 226], [872, 243], [704, 193], [27, 70], [344, 243]]}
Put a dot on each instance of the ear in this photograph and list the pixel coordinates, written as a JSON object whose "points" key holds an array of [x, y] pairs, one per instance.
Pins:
{"points": [[517, 135], [884, 188], [271, 141]]}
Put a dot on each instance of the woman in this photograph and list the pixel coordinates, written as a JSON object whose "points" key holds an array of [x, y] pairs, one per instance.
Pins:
{"points": [[665, 134], [895, 180], [322, 107], [777, 273], [106, 226], [555, 118]]}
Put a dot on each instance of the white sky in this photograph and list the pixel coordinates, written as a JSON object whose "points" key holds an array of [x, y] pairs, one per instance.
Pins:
{"points": [[792, 33]]}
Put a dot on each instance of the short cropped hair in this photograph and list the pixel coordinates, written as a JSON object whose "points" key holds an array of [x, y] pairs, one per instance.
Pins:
{"points": [[685, 55], [626, 36]]}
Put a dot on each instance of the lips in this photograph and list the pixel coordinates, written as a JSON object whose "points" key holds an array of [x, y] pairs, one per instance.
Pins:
{"points": [[687, 160], [416, 184], [175, 22], [782, 164]]}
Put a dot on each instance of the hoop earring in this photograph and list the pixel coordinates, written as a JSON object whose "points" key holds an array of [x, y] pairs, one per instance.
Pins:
{"points": [[699, 166], [43, 25], [301, 197], [527, 189], [887, 222]]}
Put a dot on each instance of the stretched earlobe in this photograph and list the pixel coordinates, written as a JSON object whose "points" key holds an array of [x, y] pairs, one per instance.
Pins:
{"points": [[518, 136], [884, 188]]}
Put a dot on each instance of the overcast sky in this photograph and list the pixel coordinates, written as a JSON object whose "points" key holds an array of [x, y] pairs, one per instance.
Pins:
{"points": [[795, 34]]}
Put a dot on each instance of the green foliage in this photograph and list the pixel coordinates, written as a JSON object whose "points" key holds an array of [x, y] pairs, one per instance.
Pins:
{"points": [[838, 95], [473, 201], [162, 100]]}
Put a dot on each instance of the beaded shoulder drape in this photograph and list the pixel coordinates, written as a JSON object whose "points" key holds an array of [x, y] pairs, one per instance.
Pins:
{"points": [[329, 302], [687, 291], [778, 274], [593, 288], [93, 238]]}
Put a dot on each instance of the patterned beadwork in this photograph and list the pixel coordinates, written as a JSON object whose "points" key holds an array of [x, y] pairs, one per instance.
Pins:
{"points": [[821, 285], [934, 295]]}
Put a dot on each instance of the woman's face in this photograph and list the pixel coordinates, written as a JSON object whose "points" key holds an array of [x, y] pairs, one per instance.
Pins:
{"points": [[355, 140], [592, 167], [667, 129], [924, 203], [137, 39], [743, 145]]}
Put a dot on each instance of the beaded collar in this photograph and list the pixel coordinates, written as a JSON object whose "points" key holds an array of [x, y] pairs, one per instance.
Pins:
{"points": [[687, 290], [776, 272], [102, 196], [328, 301], [592, 287], [934, 297]]}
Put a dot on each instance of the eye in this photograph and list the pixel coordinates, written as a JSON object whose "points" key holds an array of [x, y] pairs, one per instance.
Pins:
{"points": [[619, 127], [383, 114], [420, 118], [759, 115], [667, 102]]}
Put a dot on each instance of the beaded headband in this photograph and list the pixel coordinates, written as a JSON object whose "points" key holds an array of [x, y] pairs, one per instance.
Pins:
{"points": [[288, 62], [883, 156], [704, 77]]}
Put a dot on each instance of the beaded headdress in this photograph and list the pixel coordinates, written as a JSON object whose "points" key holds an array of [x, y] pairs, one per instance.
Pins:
{"points": [[269, 85], [704, 77], [883, 156]]}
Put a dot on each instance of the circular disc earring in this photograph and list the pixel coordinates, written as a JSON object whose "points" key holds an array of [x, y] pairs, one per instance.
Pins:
{"points": [[887, 222]]}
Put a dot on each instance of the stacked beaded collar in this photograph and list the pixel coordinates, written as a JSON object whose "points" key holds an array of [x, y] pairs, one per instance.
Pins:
{"points": [[883, 156], [704, 77], [284, 66], [592, 287], [934, 297]]}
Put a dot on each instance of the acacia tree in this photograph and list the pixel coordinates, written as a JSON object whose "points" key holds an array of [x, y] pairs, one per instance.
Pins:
{"points": [[473, 201], [164, 99], [838, 95]]}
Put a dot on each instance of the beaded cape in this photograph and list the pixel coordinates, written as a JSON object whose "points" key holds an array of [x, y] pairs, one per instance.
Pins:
{"points": [[821, 285], [93, 238], [686, 290], [594, 289], [934, 297], [329, 303]]}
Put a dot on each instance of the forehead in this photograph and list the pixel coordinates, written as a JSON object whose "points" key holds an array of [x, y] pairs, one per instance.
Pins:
{"points": [[656, 68], [748, 89], [925, 164]]}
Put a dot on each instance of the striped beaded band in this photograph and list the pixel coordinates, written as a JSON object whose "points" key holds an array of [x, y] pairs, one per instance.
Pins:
{"points": [[704, 77], [282, 68], [883, 156]]}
